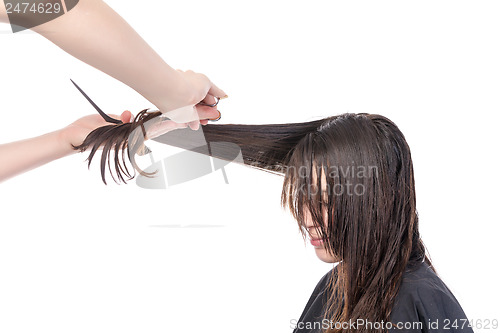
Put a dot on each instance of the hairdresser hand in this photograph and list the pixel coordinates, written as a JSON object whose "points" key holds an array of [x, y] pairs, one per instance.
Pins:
{"points": [[197, 88], [93, 32], [76, 132], [21, 156]]}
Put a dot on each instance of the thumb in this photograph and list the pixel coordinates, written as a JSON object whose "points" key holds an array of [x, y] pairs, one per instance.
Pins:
{"points": [[216, 91]]}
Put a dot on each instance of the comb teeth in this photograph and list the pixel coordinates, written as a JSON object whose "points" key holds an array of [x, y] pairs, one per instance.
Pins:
{"points": [[105, 116]]}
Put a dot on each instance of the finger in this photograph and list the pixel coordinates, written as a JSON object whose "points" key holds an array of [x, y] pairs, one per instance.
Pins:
{"points": [[183, 114], [209, 99], [216, 118], [216, 91], [126, 116], [194, 125], [204, 122], [163, 127], [207, 112]]}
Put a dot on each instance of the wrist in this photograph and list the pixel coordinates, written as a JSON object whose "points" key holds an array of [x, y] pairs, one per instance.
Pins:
{"points": [[63, 142], [175, 92]]}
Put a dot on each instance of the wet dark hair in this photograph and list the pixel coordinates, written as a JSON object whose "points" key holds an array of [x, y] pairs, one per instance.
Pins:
{"points": [[372, 221], [372, 231], [121, 138], [262, 146]]}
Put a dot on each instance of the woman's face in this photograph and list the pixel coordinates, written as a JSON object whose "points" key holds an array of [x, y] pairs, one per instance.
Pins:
{"points": [[319, 244], [313, 232]]}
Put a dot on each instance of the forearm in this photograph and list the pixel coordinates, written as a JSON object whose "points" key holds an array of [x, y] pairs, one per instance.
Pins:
{"points": [[3, 13], [21, 156], [94, 33]]}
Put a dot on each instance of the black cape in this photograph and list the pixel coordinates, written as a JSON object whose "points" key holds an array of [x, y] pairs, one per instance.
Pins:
{"points": [[423, 304]]}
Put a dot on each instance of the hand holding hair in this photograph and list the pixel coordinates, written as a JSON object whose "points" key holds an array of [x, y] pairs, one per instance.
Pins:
{"points": [[24, 155], [120, 135], [76, 132]]}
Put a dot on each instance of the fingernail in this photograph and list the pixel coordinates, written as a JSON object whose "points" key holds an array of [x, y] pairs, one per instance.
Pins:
{"points": [[225, 96], [215, 119]]}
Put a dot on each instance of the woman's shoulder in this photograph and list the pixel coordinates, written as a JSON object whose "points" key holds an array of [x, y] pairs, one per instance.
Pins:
{"points": [[424, 298], [421, 277]]}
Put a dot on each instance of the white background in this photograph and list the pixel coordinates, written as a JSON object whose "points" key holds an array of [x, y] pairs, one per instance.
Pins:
{"points": [[79, 256]]}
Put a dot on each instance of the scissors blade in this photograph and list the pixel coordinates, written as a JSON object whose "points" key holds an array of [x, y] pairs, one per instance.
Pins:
{"points": [[105, 116]]}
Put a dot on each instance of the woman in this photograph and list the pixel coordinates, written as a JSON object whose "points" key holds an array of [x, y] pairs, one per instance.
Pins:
{"points": [[348, 181], [365, 218]]}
